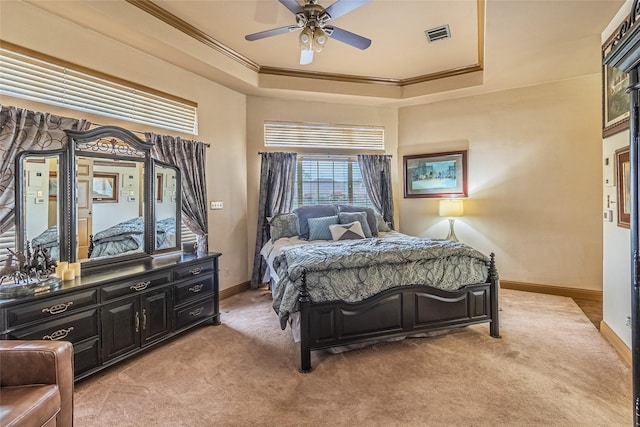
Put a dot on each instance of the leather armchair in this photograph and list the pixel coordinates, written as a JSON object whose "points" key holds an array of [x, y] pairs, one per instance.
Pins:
{"points": [[36, 383]]}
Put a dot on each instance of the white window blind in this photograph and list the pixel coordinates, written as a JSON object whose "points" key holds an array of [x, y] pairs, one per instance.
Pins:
{"points": [[7, 241], [329, 180], [26, 77], [312, 135], [186, 235]]}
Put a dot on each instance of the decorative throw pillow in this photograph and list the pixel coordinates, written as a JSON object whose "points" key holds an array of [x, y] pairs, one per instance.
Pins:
{"points": [[382, 226], [349, 231], [371, 216], [319, 227], [312, 211], [361, 217], [283, 225]]}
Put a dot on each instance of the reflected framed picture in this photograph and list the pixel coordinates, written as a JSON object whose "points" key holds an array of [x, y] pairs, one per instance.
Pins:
{"points": [[53, 185], [435, 175], [623, 181], [615, 100], [105, 187]]}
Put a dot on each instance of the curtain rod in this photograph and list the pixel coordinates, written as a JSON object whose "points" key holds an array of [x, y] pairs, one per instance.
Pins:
{"points": [[325, 154], [139, 132]]}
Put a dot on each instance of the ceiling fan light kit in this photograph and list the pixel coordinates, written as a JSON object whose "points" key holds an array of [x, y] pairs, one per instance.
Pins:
{"points": [[311, 20]]}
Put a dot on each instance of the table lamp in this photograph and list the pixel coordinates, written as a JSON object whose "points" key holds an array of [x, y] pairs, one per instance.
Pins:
{"points": [[451, 209]]}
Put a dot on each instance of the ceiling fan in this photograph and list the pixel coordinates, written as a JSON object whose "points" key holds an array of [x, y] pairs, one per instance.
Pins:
{"points": [[312, 20]]}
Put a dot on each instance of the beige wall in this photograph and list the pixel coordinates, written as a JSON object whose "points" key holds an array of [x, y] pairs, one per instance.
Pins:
{"points": [[221, 114], [534, 178], [260, 110]]}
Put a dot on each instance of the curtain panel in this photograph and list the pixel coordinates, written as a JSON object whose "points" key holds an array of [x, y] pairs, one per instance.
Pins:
{"points": [[277, 184], [25, 130], [376, 174], [190, 157]]}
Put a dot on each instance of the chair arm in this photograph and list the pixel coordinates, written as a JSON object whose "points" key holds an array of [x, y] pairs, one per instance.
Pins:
{"points": [[40, 362]]}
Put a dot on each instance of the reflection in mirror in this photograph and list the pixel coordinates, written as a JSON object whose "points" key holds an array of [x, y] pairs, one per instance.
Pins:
{"points": [[167, 207], [110, 208], [39, 198]]}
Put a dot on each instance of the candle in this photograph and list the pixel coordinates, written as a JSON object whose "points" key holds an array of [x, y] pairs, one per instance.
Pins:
{"points": [[59, 270], [68, 274], [75, 266], [63, 264]]}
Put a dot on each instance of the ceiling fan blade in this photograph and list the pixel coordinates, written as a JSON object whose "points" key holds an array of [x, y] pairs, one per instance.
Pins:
{"points": [[348, 37], [339, 8], [306, 56], [272, 32], [292, 5]]}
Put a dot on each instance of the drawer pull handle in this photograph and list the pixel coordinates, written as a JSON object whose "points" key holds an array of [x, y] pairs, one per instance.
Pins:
{"points": [[196, 271], [137, 322], [140, 286], [58, 308], [144, 319], [196, 288], [197, 312], [59, 334]]}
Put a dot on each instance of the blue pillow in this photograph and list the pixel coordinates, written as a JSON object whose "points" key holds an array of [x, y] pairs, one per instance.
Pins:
{"points": [[371, 216], [319, 227], [361, 217], [312, 211]]}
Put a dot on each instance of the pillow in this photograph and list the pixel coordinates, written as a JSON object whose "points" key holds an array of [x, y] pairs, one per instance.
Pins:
{"points": [[382, 225], [361, 217], [350, 231], [283, 225], [371, 216], [312, 211], [319, 227]]}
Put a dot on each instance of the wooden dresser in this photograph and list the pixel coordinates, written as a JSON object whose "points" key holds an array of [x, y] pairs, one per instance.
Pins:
{"points": [[120, 310]]}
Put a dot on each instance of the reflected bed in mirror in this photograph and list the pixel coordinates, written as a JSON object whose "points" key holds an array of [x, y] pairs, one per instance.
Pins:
{"points": [[166, 207], [38, 206]]}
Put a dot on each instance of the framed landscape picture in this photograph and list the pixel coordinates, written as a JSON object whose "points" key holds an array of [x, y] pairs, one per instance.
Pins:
{"points": [[436, 175], [615, 101], [623, 178]]}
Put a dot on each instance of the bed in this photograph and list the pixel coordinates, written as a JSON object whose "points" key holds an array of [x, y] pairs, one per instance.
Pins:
{"points": [[129, 236], [387, 285]]}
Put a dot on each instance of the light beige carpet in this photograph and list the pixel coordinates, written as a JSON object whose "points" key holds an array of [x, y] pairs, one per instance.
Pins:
{"points": [[551, 368]]}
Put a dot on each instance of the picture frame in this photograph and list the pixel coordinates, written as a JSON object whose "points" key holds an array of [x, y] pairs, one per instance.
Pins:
{"points": [[105, 187], [53, 185], [435, 175], [159, 188], [615, 98], [623, 182]]}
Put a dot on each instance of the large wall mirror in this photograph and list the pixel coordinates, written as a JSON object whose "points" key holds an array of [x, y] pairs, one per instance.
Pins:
{"points": [[100, 200]]}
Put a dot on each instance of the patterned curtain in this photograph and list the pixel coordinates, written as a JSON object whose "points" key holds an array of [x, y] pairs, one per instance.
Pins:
{"points": [[277, 183], [25, 130], [190, 157], [376, 173]]}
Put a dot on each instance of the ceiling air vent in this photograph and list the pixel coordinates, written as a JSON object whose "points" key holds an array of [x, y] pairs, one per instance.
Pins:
{"points": [[439, 33]]}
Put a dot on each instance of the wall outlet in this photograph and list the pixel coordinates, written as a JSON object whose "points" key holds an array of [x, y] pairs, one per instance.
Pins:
{"points": [[628, 320], [217, 205]]}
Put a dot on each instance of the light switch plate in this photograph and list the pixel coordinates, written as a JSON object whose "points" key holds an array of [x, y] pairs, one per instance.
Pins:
{"points": [[217, 205]]}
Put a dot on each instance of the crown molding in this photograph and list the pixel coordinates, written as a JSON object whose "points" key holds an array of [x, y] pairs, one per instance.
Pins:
{"points": [[154, 10]]}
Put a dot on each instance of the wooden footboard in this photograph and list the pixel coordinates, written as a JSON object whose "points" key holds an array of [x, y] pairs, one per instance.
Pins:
{"points": [[396, 312]]}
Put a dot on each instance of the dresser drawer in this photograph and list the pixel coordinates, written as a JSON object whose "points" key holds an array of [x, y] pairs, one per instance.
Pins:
{"points": [[51, 307], [85, 356], [194, 312], [136, 285], [73, 328], [195, 269], [193, 289]]}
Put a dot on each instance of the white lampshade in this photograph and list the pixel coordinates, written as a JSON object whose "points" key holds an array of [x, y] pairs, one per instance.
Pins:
{"points": [[451, 208]]}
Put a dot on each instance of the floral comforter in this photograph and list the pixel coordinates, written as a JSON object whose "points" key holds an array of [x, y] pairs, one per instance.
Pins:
{"points": [[353, 270]]}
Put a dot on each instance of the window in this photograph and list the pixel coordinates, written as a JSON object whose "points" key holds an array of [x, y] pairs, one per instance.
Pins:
{"points": [[328, 180], [315, 135], [27, 76], [186, 235], [7, 241]]}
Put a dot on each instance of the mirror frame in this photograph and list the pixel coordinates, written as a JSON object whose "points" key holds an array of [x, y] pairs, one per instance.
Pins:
{"points": [[63, 195], [100, 143], [178, 245]]}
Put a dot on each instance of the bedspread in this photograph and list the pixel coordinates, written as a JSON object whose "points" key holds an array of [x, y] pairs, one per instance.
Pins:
{"points": [[353, 270]]}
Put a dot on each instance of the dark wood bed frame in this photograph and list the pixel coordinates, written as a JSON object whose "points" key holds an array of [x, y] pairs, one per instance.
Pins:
{"points": [[396, 312]]}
